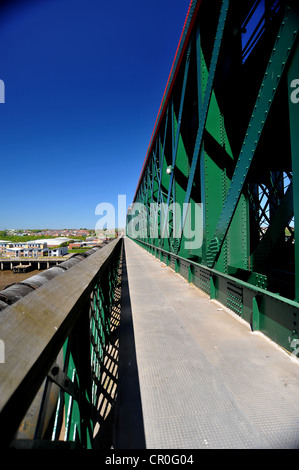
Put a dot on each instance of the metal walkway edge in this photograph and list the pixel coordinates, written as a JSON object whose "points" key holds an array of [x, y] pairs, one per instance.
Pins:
{"points": [[194, 376]]}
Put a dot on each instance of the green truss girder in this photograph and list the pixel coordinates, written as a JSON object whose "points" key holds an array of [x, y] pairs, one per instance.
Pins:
{"points": [[282, 48], [209, 165], [176, 132], [206, 101]]}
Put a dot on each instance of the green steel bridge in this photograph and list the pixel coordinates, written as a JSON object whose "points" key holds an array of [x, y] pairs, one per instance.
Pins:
{"points": [[184, 333]]}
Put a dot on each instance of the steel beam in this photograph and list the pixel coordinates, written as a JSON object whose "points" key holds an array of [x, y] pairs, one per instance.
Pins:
{"points": [[206, 102], [282, 48]]}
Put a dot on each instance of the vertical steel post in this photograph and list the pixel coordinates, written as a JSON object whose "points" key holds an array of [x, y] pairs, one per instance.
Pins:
{"points": [[256, 313]]}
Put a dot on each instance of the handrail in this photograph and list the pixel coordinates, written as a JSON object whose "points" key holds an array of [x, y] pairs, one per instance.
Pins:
{"points": [[34, 330], [255, 304], [252, 287]]}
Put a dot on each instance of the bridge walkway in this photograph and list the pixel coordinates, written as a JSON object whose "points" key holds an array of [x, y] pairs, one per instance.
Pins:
{"points": [[193, 375]]}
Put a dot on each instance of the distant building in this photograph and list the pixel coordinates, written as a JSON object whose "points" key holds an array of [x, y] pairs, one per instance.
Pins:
{"points": [[3, 245], [75, 245], [26, 250], [33, 249], [55, 241], [58, 251], [86, 244]]}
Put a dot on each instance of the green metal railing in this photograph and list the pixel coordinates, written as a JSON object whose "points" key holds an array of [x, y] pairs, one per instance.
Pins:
{"points": [[267, 312], [55, 386]]}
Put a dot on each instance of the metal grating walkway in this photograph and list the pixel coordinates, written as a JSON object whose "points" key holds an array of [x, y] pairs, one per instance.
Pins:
{"points": [[194, 376]]}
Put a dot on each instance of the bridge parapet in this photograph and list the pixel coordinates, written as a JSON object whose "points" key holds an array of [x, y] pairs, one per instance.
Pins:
{"points": [[54, 342]]}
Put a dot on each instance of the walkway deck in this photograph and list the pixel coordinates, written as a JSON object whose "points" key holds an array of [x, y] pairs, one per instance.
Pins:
{"points": [[193, 375]]}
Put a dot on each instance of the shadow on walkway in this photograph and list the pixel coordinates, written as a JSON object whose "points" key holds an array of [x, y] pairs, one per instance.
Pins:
{"points": [[128, 424]]}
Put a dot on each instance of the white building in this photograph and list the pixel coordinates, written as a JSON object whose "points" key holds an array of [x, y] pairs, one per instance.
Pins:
{"points": [[26, 250], [58, 251], [54, 245], [54, 241], [35, 248]]}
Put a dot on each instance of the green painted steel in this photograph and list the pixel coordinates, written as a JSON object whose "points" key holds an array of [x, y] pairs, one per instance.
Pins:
{"points": [[219, 186], [84, 358], [281, 49]]}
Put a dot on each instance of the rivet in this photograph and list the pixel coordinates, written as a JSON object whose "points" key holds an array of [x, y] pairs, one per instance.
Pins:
{"points": [[54, 370]]}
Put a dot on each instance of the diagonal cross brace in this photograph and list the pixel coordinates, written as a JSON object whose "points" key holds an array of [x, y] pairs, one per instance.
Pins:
{"points": [[281, 50], [175, 145], [277, 226], [205, 106], [161, 161]]}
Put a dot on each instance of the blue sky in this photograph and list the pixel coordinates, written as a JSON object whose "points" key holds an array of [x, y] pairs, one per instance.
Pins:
{"points": [[83, 84]]}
